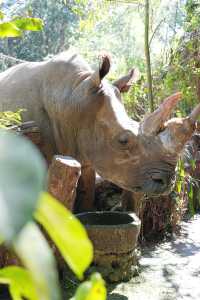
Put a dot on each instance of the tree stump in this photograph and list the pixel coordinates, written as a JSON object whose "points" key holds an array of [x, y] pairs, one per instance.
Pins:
{"points": [[63, 176]]}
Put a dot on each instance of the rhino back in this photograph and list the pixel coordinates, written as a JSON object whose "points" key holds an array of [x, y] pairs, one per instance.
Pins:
{"points": [[20, 88], [42, 89]]}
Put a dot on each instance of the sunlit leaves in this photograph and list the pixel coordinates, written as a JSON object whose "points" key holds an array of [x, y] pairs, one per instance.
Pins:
{"points": [[16, 27], [180, 173], [20, 283], [36, 255], [67, 233], [190, 196], [1, 15], [22, 174], [10, 118], [33, 24], [8, 29], [93, 289]]}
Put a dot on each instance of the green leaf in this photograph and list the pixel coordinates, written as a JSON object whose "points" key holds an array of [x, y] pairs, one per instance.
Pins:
{"points": [[37, 256], [33, 24], [191, 204], [20, 283], [93, 289], [22, 174], [67, 232], [10, 118], [179, 186], [193, 164], [1, 15], [9, 29]]}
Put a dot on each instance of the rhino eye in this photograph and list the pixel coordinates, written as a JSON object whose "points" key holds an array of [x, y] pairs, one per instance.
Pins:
{"points": [[123, 140]]}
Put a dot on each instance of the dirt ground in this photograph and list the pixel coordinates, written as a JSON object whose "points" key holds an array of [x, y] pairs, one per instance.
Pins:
{"points": [[169, 271]]}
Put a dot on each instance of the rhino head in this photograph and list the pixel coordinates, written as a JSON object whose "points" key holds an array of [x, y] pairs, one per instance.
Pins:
{"points": [[138, 157]]}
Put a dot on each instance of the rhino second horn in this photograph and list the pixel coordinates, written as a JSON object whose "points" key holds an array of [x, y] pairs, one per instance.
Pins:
{"points": [[179, 130], [195, 113], [154, 122]]}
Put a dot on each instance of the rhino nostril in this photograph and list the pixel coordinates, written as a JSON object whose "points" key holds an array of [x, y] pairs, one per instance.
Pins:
{"points": [[159, 181]]}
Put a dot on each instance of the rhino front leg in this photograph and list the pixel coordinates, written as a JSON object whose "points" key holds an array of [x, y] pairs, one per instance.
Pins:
{"points": [[86, 190]]}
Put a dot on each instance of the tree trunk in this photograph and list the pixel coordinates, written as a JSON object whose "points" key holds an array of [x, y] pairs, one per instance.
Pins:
{"points": [[148, 58]]}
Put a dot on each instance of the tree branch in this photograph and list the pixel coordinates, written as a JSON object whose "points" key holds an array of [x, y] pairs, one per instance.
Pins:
{"points": [[147, 55], [155, 30]]}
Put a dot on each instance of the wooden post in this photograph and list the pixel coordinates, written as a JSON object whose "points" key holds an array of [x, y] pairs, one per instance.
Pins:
{"points": [[63, 176]]}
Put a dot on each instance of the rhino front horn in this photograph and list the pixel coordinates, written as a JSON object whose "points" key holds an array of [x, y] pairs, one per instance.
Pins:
{"points": [[153, 122], [195, 113]]}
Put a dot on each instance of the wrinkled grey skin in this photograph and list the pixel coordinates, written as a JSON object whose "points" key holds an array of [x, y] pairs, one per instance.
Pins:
{"points": [[81, 114]]}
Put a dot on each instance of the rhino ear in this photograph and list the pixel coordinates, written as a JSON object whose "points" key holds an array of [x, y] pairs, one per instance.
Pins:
{"points": [[103, 70], [124, 83], [104, 66]]}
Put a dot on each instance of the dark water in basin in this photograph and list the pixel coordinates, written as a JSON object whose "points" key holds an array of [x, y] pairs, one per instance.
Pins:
{"points": [[105, 218]]}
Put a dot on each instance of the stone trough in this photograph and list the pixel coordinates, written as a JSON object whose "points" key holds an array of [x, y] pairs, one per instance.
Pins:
{"points": [[114, 236]]}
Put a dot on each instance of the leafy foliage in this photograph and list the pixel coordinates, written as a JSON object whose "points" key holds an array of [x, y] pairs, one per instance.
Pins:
{"points": [[21, 182], [67, 233], [64, 16], [15, 27], [37, 257], [23, 169], [91, 289], [9, 29], [19, 281], [9, 118]]}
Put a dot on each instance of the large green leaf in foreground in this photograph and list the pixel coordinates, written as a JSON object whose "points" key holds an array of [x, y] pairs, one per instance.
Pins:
{"points": [[93, 289], [22, 173], [67, 232], [37, 257], [20, 283]]}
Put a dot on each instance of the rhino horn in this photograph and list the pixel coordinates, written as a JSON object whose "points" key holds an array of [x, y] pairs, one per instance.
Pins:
{"points": [[195, 113], [179, 130], [103, 70], [153, 122], [124, 83]]}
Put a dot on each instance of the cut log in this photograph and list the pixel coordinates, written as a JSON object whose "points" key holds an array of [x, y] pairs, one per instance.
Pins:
{"points": [[63, 176]]}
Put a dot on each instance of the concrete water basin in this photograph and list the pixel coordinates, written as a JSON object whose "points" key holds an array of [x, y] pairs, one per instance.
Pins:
{"points": [[114, 236]]}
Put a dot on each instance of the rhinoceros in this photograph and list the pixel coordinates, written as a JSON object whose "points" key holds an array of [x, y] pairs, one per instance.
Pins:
{"points": [[81, 114]]}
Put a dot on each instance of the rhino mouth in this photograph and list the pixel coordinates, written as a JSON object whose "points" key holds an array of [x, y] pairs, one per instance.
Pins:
{"points": [[159, 186], [154, 185], [150, 188]]}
